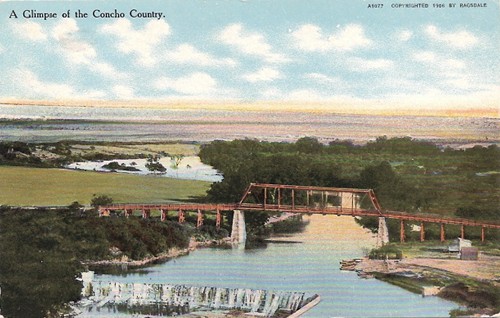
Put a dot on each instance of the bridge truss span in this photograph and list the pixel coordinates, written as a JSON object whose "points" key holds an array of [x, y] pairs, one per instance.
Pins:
{"points": [[309, 199]]}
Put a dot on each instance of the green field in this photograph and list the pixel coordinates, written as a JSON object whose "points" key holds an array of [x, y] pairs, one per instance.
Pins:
{"points": [[22, 186]]}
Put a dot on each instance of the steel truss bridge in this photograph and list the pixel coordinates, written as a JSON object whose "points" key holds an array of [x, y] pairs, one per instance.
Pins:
{"points": [[279, 198]]}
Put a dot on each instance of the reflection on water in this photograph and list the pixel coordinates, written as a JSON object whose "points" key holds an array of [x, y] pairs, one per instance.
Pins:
{"points": [[311, 267]]}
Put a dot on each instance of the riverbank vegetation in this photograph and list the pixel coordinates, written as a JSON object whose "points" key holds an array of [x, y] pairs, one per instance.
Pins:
{"points": [[42, 252]]}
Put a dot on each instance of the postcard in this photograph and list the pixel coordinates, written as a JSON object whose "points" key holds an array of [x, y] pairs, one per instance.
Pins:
{"points": [[225, 158]]}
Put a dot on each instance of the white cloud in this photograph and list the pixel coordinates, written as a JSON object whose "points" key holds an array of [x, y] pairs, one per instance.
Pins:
{"points": [[30, 30], [108, 70], [322, 78], [31, 82], [250, 43], [264, 74], [74, 49], [80, 52], [453, 64], [188, 54], [311, 38], [457, 40], [404, 35], [193, 84], [439, 62], [141, 43], [425, 56], [361, 65], [123, 91]]}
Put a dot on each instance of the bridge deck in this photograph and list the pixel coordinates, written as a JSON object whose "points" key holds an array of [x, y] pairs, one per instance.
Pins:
{"points": [[274, 208]]}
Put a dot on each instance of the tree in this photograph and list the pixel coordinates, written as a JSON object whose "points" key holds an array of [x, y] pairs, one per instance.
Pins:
{"points": [[309, 145], [102, 199], [153, 164], [177, 159]]}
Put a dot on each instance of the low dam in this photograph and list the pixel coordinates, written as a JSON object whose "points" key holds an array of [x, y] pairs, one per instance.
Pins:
{"points": [[171, 299]]}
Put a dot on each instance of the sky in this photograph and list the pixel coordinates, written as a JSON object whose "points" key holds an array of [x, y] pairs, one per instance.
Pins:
{"points": [[315, 54]]}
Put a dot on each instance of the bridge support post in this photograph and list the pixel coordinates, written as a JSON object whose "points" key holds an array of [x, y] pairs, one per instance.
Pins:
{"points": [[218, 219], [182, 218], [482, 234], [238, 232], [383, 233], [422, 232], [146, 213], [163, 214], [443, 238], [128, 212], [402, 231], [199, 222], [103, 212], [462, 231]]}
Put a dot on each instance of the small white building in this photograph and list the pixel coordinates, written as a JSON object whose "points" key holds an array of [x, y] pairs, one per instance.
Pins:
{"points": [[458, 244]]}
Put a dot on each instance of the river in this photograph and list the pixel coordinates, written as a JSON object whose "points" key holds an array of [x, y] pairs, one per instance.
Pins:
{"points": [[306, 262]]}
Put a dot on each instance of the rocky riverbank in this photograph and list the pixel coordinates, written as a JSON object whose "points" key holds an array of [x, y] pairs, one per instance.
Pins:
{"points": [[174, 252]]}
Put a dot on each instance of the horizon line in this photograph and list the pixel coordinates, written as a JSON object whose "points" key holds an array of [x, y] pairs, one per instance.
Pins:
{"points": [[256, 106]]}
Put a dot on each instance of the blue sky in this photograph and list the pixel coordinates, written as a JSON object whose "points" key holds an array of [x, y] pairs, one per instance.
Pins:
{"points": [[324, 54]]}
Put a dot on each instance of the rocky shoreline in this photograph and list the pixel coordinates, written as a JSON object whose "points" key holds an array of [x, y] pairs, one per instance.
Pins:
{"points": [[174, 252]]}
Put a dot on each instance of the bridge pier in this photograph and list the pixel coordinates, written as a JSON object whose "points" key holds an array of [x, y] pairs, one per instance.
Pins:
{"points": [[218, 219], [462, 231], [422, 232], [146, 213], [103, 212], [128, 212], [482, 234], [443, 238], [182, 217], [199, 221], [163, 214], [402, 235], [238, 232], [383, 232]]}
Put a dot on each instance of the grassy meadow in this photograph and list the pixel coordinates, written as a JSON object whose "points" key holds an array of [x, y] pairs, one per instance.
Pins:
{"points": [[24, 186]]}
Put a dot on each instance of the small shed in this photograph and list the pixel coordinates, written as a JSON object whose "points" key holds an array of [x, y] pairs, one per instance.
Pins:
{"points": [[469, 253], [458, 244]]}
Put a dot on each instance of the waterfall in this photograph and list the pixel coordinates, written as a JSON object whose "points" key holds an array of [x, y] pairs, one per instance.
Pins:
{"points": [[182, 298]]}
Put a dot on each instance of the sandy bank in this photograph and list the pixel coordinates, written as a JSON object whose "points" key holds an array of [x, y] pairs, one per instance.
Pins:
{"points": [[472, 283], [486, 268]]}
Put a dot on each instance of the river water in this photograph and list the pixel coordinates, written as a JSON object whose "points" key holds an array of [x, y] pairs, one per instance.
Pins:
{"points": [[306, 262], [190, 168]]}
